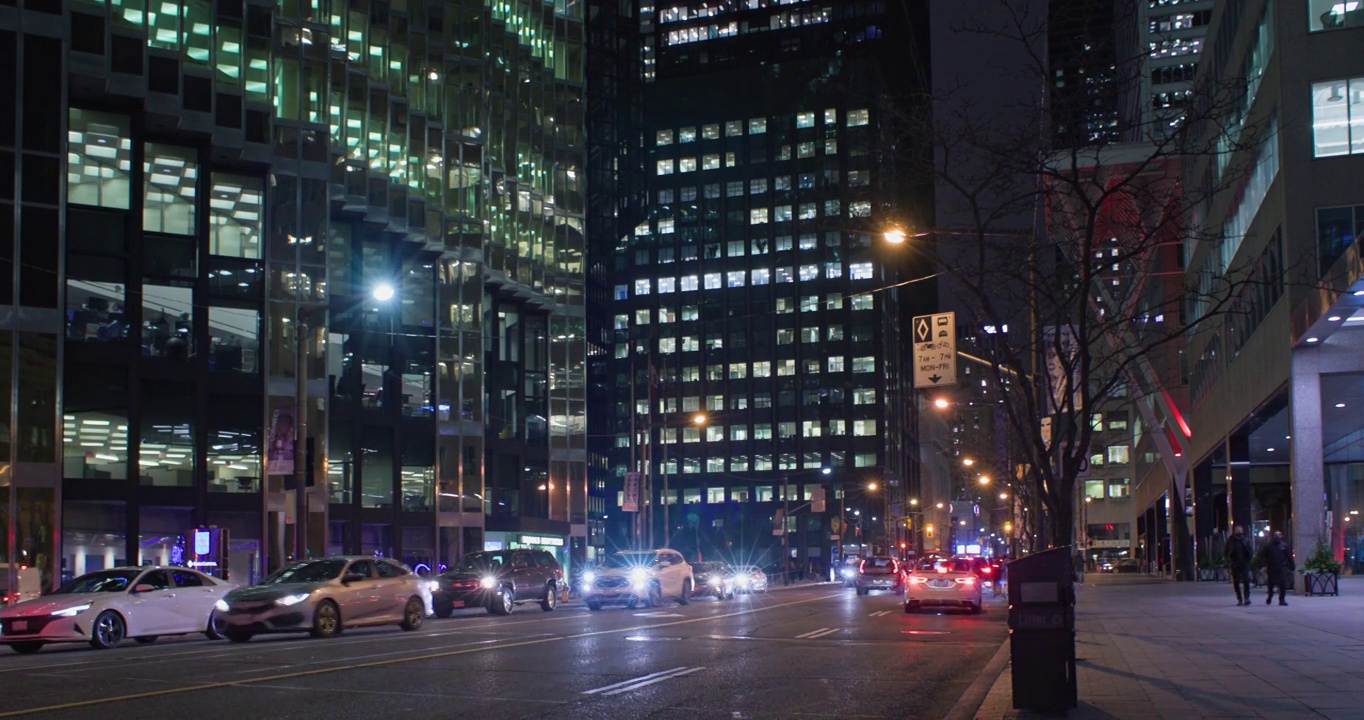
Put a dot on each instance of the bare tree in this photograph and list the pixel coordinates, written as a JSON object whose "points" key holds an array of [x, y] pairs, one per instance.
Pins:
{"points": [[1070, 245]]}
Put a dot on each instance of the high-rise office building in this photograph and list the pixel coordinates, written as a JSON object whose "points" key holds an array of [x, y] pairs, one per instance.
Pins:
{"points": [[756, 292], [197, 180]]}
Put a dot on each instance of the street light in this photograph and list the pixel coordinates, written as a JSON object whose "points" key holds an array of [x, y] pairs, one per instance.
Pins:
{"points": [[968, 462], [382, 292], [983, 480], [941, 404]]}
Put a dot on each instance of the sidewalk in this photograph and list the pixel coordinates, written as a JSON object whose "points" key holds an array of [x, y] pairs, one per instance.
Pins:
{"points": [[1149, 648]]}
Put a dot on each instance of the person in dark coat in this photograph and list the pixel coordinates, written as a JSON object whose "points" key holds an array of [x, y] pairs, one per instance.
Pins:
{"points": [[1279, 565], [1239, 554]]}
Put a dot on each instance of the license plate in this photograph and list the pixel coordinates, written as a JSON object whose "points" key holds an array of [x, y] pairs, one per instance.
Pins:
{"points": [[19, 625], [942, 583], [457, 603]]}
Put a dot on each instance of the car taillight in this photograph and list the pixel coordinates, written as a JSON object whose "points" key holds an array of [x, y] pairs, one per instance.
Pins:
{"points": [[966, 580], [987, 570], [862, 567]]}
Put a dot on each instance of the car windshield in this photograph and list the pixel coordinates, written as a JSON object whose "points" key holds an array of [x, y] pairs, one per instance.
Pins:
{"points": [[709, 567], [307, 572], [628, 560], [482, 562], [878, 563], [945, 566], [98, 582]]}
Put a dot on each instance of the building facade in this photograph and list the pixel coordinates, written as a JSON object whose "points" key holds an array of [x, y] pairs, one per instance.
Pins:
{"points": [[755, 290], [206, 194], [1276, 386]]}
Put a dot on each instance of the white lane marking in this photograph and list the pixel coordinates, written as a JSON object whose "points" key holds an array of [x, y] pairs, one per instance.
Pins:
{"points": [[822, 632], [632, 681], [638, 685], [658, 614], [879, 613], [812, 633]]}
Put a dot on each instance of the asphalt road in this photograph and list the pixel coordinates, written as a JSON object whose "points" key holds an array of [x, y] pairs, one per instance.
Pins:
{"points": [[817, 651]]}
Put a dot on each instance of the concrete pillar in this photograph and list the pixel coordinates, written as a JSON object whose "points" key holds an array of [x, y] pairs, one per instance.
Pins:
{"points": [[1239, 499], [1309, 488]]}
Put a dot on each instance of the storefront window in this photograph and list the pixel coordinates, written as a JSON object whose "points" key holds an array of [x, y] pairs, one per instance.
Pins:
{"points": [[93, 537], [376, 540], [161, 540], [418, 488], [377, 473], [34, 526], [168, 205], [99, 159]]}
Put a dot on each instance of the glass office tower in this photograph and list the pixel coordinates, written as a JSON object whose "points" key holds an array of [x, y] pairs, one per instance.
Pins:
{"points": [[195, 181], [756, 291]]}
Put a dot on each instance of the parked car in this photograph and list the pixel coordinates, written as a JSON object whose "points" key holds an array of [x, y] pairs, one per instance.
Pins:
{"points": [[325, 596], [716, 579], [1129, 565], [639, 577], [877, 573], [498, 580], [950, 583], [750, 579], [103, 608]]}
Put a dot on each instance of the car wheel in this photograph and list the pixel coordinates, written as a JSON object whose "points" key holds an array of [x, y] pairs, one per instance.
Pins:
{"points": [[444, 610], [632, 603], [413, 614], [26, 648], [214, 631], [502, 603], [655, 596], [976, 609], [686, 593], [109, 630], [326, 620], [910, 609], [237, 635], [551, 600], [593, 606], [146, 639]]}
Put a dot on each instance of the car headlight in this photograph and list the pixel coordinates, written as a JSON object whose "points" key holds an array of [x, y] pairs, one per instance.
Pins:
{"points": [[288, 600], [221, 606], [743, 582], [488, 582], [715, 582], [589, 577], [72, 611], [639, 576], [432, 586]]}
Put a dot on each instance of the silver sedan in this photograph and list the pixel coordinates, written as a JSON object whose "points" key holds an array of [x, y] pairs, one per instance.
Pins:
{"points": [[323, 597]]}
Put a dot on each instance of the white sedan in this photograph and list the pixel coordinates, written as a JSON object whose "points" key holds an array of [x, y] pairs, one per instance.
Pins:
{"points": [[105, 607], [950, 583]]}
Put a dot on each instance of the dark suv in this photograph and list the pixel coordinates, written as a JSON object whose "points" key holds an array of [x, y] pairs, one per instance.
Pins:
{"points": [[498, 580]]}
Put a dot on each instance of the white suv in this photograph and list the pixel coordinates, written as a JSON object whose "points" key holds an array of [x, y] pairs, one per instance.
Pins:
{"points": [[632, 577]]}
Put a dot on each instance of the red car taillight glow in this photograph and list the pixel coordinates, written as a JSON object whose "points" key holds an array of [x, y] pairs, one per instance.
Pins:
{"points": [[966, 580]]}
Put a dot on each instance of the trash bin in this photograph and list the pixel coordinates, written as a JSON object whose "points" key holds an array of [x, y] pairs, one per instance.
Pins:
{"points": [[1042, 631]]}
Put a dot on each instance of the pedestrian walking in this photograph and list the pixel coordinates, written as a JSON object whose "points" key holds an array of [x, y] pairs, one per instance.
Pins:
{"points": [[1239, 554], [1078, 563], [1279, 565]]}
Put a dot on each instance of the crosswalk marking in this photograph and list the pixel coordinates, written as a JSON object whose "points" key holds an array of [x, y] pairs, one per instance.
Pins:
{"points": [[639, 682], [817, 633]]}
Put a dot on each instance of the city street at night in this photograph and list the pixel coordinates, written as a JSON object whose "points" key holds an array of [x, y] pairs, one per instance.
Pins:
{"points": [[814, 651]]}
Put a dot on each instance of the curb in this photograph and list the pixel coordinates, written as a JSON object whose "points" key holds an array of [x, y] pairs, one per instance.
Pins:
{"points": [[971, 700]]}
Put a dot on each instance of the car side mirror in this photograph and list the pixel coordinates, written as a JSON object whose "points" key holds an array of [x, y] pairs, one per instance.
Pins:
{"points": [[144, 587], [352, 578]]}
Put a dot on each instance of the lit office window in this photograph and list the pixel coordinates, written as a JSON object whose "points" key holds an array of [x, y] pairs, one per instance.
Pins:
{"points": [[860, 271], [864, 428], [858, 117], [169, 189], [667, 285], [757, 126], [99, 159], [1338, 117], [663, 137], [642, 286], [805, 120], [664, 167]]}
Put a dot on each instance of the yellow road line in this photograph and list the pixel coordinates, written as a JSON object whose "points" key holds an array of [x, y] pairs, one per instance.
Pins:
{"points": [[382, 663]]}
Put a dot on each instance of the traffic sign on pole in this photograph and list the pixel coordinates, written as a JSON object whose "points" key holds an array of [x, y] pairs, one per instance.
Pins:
{"points": [[935, 350]]}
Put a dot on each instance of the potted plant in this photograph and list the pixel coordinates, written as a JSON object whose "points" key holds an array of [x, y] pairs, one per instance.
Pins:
{"points": [[1321, 572]]}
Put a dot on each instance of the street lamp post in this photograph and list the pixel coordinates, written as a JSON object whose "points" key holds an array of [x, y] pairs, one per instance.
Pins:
{"points": [[382, 292]]}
